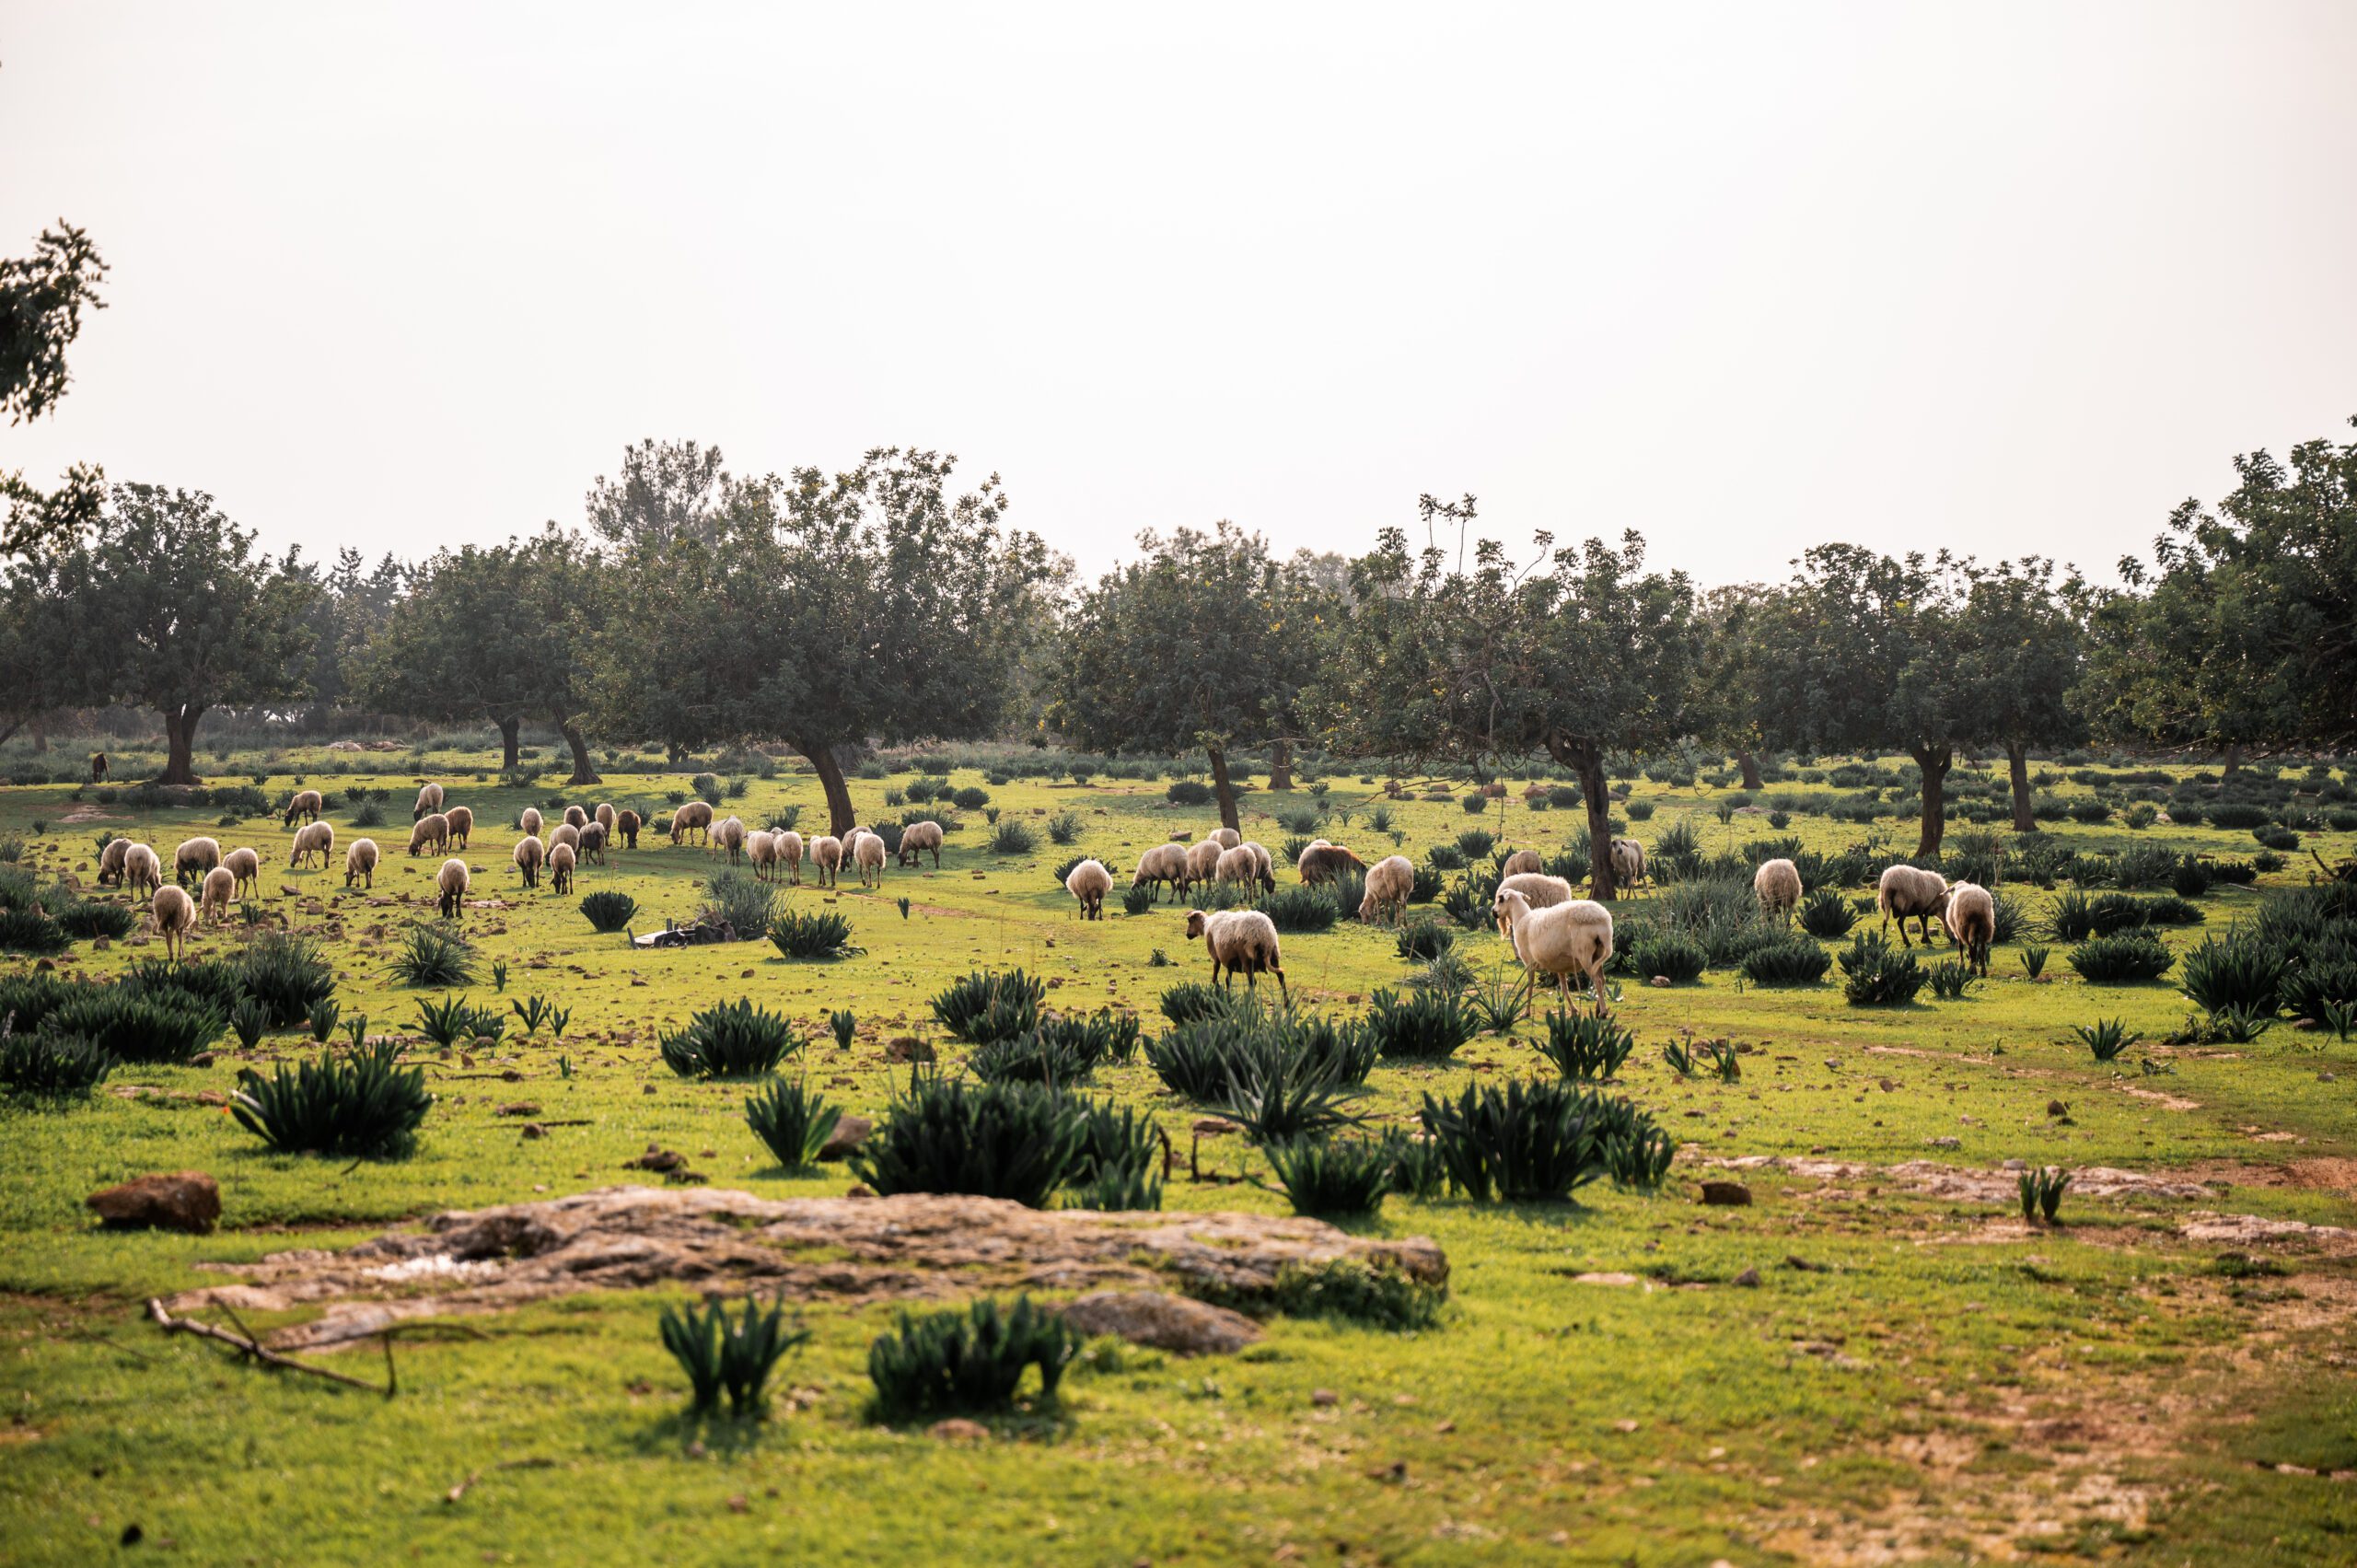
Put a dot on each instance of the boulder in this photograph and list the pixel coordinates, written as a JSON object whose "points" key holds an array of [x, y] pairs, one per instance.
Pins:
{"points": [[1728, 1192], [850, 1132], [1175, 1323], [185, 1200]]}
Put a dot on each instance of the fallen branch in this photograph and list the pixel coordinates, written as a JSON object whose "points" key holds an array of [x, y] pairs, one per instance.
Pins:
{"points": [[247, 1344]]}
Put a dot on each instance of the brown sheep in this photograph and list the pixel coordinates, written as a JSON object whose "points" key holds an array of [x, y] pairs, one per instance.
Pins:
{"points": [[1521, 861], [1240, 942], [220, 890], [99, 767], [1322, 863], [173, 914], [360, 863], [593, 844], [1089, 882], [307, 803], [528, 856], [626, 826], [451, 883], [110, 862], [246, 865], [432, 832], [462, 825]]}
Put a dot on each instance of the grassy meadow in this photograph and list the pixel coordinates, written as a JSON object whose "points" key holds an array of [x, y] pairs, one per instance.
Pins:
{"points": [[1851, 1369]]}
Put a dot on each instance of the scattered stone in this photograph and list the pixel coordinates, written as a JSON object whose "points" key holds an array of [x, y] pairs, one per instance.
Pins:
{"points": [[1944, 1143], [1324, 1399], [1748, 1279], [1605, 1279], [1660, 980], [1212, 1126], [1176, 1323], [908, 1048], [849, 1134], [957, 1429], [1732, 1194], [184, 1200], [657, 1158], [519, 1107], [860, 1190], [534, 1130]]}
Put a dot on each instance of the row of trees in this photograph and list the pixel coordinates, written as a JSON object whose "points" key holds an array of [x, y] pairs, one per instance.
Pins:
{"points": [[882, 605]]}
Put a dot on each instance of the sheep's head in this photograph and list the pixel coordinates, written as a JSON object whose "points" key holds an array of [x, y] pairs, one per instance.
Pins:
{"points": [[1509, 907], [1197, 922]]}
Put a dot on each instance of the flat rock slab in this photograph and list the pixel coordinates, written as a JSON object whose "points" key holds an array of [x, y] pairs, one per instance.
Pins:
{"points": [[185, 1200], [1936, 1180], [849, 1250], [1175, 1323]]}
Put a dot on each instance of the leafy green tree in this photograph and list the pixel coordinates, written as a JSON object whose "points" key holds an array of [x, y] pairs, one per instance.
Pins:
{"points": [[829, 610], [171, 609], [2243, 629], [2016, 654], [671, 490], [1204, 642], [40, 659], [41, 300], [352, 602], [1578, 654]]}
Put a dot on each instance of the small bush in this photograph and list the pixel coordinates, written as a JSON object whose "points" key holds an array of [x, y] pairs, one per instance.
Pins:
{"points": [[1298, 909], [1138, 897], [741, 901], [970, 798], [365, 1106], [45, 1065], [609, 912], [1586, 1048], [1826, 915], [1880, 975], [1006, 1140], [1424, 1026], [31, 931], [433, 956], [735, 1357], [1188, 792], [1446, 857], [1063, 828], [984, 1005], [2122, 959], [1012, 835], [792, 1121], [134, 1025], [1424, 939], [1795, 961], [1333, 1176], [733, 1039], [2231, 972], [88, 919], [1672, 954], [286, 975], [1192, 1001], [2275, 838], [1529, 1141], [1950, 980], [815, 934], [2107, 1037], [969, 1360], [2033, 961]]}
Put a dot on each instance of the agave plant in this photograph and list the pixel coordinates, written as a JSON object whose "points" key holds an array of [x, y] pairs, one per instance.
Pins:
{"points": [[733, 1356]]}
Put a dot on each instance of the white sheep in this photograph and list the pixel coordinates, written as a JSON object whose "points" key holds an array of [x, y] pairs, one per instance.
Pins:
{"points": [[561, 863], [308, 804], [141, 868], [1089, 882], [110, 862], [529, 823], [313, 838], [868, 853], [789, 855], [246, 865], [605, 816], [193, 859], [1522, 861], [1970, 916], [173, 914], [1537, 890], [827, 854], [576, 815], [1238, 866], [1162, 863], [1203, 861], [925, 836], [429, 798], [1226, 838], [462, 825], [530, 855], [220, 890], [728, 834], [1264, 864], [1777, 884], [1562, 940], [565, 833], [1909, 892], [1388, 883], [432, 832], [452, 881], [695, 817], [760, 849], [1240, 942], [360, 863], [1628, 864]]}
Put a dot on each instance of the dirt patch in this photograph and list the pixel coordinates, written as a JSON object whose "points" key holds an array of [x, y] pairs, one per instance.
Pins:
{"points": [[2165, 1101], [849, 1250], [1957, 1184]]}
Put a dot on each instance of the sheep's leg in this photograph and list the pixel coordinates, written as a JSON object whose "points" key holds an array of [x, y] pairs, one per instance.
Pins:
{"points": [[1282, 989]]}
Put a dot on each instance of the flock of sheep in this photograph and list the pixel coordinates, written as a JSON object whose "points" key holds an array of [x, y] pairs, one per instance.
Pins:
{"points": [[1553, 932]]}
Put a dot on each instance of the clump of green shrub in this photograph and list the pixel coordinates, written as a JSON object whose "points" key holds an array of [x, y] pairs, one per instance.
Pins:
{"points": [[987, 1006], [733, 1039], [1879, 975], [1825, 914], [811, 934], [2127, 958], [364, 1106], [1423, 1026], [1584, 1047], [1008, 1140], [50, 1066], [1528, 1141], [793, 1122], [608, 911], [735, 1357], [433, 956], [1792, 961], [969, 1360]]}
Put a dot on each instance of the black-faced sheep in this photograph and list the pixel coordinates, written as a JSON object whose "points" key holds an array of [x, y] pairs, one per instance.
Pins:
{"points": [[626, 824], [1777, 884], [360, 863], [308, 804], [1240, 942], [1389, 881], [1561, 941], [451, 883], [1909, 892], [1089, 882]]}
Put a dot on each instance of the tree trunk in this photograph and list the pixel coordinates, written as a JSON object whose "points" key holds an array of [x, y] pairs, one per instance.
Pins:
{"points": [[510, 730], [840, 817], [41, 736], [179, 744], [1281, 764], [582, 773], [1934, 761], [2234, 761], [1750, 766], [2017, 760], [1225, 790], [1586, 763]]}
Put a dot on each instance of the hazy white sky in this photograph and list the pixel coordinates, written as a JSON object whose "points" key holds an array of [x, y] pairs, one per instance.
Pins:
{"points": [[1745, 278]]}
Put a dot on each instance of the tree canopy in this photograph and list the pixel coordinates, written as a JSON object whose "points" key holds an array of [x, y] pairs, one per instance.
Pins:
{"points": [[42, 299]]}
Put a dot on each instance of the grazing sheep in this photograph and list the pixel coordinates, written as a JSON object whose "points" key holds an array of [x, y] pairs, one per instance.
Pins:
{"points": [[1562, 940], [828, 853], [1522, 861], [868, 853], [566, 833], [789, 855], [1778, 885], [1537, 890], [246, 865], [927, 836], [1089, 882], [1238, 866], [1240, 942], [173, 914], [452, 882], [141, 868], [1226, 838], [1628, 864], [576, 815], [1203, 861], [1265, 864], [360, 863], [1388, 883], [605, 816], [561, 863], [1970, 916], [528, 856], [432, 832], [315, 839], [1322, 863], [1912, 893], [761, 848], [462, 825], [1162, 863], [529, 823], [626, 825], [694, 816], [729, 834], [193, 859], [220, 889], [110, 862], [307, 805], [429, 798], [593, 844]]}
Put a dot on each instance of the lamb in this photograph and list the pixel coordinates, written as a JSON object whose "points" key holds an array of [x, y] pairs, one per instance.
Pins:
{"points": [[1162, 863], [173, 914], [1970, 916], [1238, 866], [761, 848], [360, 863], [1628, 864], [193, 859], [1778, 885], [868, 853], [307, 805], [315, 839], [693, 817], [626, 826], [789, 855], [1264, 864], [1226, 838], [729, 834], [566, 833], [1539, 890], [827, 852], [605, 816], [1322, 863], [1203, 861], [141, 868], [246, 865], [528, 856], [1911, 892], [462, 825], [220, 888], [1562, 940], [561, 863], [110, 862], [528, 823], [576, 817], [433, 831], [452, 882], [593, 844], [1240, 942], [1388, 883], [1089, 882], [1522, 861], [927, 836], [429, 799]]}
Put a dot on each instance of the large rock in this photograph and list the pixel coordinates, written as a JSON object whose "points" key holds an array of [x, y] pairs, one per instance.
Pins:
{"points": [[1168, 1322], [185, 1200], [850, 1132]]}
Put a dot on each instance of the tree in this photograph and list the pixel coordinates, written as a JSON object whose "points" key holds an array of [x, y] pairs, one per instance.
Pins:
{"points": [[42, 298], [492, 634], [39, 657], [1723, 711], [672, 491], [2243, 630], [352, 602], [1580, 652], [171, 609], [828, 611], [1206, 642], [2016, 655]]}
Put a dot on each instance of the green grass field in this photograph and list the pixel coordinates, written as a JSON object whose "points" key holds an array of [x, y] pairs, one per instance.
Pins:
{"points": [[1853, 1369]]}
